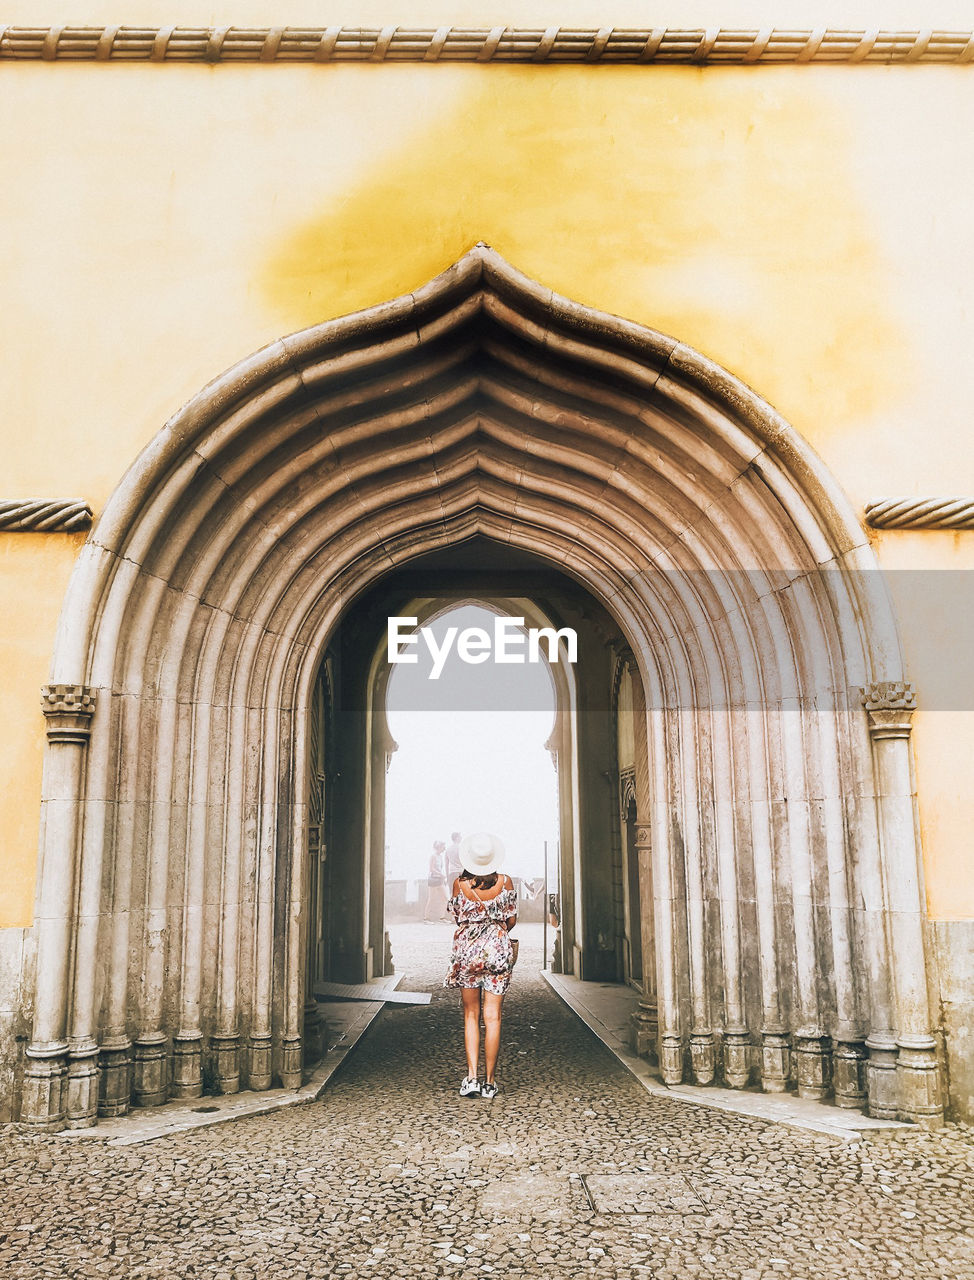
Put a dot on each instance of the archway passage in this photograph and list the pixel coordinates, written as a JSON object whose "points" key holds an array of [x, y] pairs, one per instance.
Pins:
{"points": [[774, 804], [354, 677]]}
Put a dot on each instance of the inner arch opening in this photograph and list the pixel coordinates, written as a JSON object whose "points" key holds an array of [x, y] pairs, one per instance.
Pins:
{"points": [[473, 753]]}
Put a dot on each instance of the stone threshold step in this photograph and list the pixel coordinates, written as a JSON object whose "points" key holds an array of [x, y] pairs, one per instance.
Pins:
{"points": [[605, 1009], [347, 1022]]}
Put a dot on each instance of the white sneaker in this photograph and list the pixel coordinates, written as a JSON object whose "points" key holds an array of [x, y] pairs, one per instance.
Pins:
{"points": [[488, 1089], [470, 1088]]}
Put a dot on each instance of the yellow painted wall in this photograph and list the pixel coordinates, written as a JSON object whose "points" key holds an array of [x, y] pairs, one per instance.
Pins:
{"points": [[808, 228], [34, 574]]}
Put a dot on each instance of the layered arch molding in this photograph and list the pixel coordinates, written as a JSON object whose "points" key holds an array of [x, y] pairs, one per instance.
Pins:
{"points": [[777, 804]]}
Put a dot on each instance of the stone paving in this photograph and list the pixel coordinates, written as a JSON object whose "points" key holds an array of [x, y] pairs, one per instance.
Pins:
{"points": [[572, 1170]]}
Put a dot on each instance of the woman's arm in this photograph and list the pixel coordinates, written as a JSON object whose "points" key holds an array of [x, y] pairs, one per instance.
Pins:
{"points": [[511, 920]]}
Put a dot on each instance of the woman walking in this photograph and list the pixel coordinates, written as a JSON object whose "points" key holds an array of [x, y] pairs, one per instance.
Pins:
{"points": [[484, 904]]}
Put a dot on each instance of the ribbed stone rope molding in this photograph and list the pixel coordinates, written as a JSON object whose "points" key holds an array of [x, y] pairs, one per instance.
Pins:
{"points": [[921, 513], [40, 515], [713, 46]]}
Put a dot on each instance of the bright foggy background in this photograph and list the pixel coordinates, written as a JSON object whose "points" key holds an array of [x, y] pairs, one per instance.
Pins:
{"points": [[471, 756]]}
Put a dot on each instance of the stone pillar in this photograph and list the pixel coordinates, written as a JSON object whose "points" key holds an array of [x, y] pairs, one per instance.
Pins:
{"points": [[261, 1052], [726, 726], [664, 908], [115, 1084], [225, 1042], [849, 1067], [644, 1022], [775, 1059], [226, 1065], [68, 710], [292, 1043], [150, 1086], [187, 1065], [261, 1046], [737, 1069], [187, 1048], [810, 1046], [81, 1098], [703, 1046], [813, 1064], [889, 708], [881, 1087]]}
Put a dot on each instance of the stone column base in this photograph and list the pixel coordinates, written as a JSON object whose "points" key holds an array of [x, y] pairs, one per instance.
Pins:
{"points": [[849, 1074], [702, 1056], [115, 1084], [150, 1075], [671, 1059], [261, 1062], [643, 1031], [918, 1083], [81, 1107], [775, 1061], [187, 1065], [45, 1089], [813, 1066], [226, 1066], [881, 1086], [291, 1062], [737, 1070]]}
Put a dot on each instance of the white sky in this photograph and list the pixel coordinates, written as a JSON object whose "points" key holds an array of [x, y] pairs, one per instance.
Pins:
{"points": [[471, 757]]}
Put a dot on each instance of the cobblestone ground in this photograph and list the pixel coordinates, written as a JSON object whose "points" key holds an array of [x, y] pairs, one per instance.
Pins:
{"points": [[572, 1170]]}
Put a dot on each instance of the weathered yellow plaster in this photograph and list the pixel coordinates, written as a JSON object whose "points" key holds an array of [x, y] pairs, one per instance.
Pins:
{"points": [[711, 211], [34, 571]]}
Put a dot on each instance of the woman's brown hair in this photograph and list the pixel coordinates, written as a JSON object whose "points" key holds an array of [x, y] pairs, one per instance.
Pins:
{"points": [[479, 882]]}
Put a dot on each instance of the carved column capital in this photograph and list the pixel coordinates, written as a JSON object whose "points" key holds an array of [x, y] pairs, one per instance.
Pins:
{"points": [[627, 792], [68, 709], [889, 706]]}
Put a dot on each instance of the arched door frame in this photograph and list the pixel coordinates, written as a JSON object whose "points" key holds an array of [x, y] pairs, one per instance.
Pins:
{"points": [[484, 405]]}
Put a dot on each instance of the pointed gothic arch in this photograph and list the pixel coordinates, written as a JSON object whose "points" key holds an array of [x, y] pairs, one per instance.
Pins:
{"points": [[787, 904]]}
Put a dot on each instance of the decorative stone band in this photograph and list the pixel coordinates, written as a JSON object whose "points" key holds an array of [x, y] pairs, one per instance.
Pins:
{"points": [[921, 513], [889, 705], [68, 709], [37, 515], [606, 45]]}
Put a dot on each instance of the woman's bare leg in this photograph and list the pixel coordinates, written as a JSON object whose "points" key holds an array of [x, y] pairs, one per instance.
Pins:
{"points": [[492, 1032], [471, 1028]]}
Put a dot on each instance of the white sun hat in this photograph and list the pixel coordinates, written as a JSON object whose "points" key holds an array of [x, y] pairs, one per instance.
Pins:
{"points": [[481, 853]]}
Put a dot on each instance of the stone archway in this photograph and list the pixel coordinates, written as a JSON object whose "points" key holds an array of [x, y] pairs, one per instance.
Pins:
{"points": [[776, 805]]}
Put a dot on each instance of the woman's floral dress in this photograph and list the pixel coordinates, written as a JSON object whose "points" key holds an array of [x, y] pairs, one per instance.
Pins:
{"points": [[482, 952]]}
